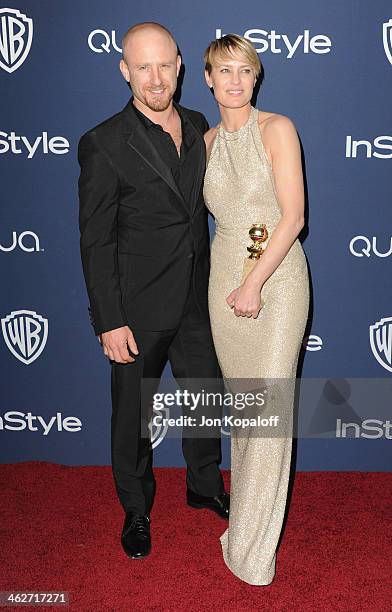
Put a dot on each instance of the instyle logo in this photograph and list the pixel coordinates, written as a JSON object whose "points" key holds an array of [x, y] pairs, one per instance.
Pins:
{"points": [[101, 41], [362, 246], [26, 241], [281, 43], [369, 149], [20, 145], [372, 429], [387, 39], [312, 343], [18, 421], [25, 333], [16, 36], [380, 335]]}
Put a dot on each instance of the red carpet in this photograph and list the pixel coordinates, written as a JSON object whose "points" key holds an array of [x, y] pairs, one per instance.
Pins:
{"points": [[60, 531]]}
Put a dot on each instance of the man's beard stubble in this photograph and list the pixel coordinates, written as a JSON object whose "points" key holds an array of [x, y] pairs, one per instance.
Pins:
{"points": [[158, 105]]}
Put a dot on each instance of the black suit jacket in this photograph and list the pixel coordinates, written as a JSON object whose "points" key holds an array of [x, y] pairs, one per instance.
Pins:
{"points": [[142, 245]]}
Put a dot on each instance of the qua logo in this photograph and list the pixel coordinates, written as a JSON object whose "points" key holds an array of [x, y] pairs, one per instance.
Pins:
{"points": [[27, 241], [25, 333], [362, 246], [16, 36], [100, 41], [387, 39], [381, 342]]}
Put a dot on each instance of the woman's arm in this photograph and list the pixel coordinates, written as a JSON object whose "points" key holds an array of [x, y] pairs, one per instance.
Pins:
{"points": [[209, 138], [282, 146], [281, 141]]}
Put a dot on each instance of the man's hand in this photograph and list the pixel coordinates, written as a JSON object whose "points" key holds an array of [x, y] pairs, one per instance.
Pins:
{"points": [[115, 344]]}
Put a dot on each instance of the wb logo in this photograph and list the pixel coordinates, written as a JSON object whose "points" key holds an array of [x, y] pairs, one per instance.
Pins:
{"points": [[159, 425], [381, 342], [387, 39], [16, 36], [25, 333]]}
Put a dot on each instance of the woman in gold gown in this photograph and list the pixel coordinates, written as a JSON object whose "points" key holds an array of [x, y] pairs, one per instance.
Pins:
{"points": [[254, 175]]}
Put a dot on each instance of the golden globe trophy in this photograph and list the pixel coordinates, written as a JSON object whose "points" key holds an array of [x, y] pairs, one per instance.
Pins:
{"points": [[259, 234]]}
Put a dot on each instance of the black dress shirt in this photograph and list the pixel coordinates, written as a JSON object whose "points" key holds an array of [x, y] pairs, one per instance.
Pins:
{"points": [[182, 166]]}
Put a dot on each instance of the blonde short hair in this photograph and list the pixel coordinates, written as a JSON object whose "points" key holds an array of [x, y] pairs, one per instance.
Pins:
{"points": [[229, 46]]}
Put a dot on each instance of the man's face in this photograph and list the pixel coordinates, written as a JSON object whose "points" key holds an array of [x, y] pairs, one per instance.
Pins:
{"points": [[151, 67]]}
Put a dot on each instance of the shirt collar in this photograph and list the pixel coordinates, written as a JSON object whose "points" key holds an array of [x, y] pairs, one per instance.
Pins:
{"points": [[150, 124]]}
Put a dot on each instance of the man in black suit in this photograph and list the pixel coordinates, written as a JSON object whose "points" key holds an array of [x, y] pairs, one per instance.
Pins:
{"points": [[145, 254]]}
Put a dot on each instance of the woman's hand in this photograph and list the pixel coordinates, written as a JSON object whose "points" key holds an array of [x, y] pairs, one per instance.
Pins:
{"points": [[245, 300]]}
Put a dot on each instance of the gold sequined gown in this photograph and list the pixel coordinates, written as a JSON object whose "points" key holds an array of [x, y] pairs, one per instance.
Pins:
{"points": [[239, 191]]}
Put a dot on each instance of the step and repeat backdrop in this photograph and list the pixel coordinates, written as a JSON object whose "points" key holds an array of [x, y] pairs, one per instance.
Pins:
{"points": [[328, 66]]}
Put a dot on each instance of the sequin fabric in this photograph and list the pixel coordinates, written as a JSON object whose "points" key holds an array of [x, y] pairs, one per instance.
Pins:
{"points": [[239, 191]]}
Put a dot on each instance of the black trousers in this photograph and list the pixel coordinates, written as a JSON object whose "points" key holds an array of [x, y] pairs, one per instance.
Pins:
{"points": [[191, 353]]}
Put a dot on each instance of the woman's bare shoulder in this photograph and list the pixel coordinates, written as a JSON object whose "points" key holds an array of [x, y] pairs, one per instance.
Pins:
{"points": [[274, 123]]}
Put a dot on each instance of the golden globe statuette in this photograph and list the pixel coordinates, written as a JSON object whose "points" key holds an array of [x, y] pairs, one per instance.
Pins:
{"points": [[259, 234]]}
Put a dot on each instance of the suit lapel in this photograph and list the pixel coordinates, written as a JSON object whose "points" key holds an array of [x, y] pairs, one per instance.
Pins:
{"points": [[200, 169], [138, 140]]}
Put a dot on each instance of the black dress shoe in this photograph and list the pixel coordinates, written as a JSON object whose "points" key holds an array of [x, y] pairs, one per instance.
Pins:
{"points": [[135, 537], [219, 504]]}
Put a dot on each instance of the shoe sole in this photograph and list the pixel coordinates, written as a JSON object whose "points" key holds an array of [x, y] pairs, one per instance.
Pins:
{"points": [[130, 556], [201, 507], [138, 557], [197, 506]]}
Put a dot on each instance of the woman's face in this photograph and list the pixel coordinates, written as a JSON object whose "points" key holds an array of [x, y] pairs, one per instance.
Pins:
{"points": [[232, 80]]}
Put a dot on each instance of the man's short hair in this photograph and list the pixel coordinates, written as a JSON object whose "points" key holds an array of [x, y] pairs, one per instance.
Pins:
{"points": [[146, 25]]}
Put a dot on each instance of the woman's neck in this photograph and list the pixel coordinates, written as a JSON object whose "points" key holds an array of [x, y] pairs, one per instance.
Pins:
{"points": [[234, 118]]}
